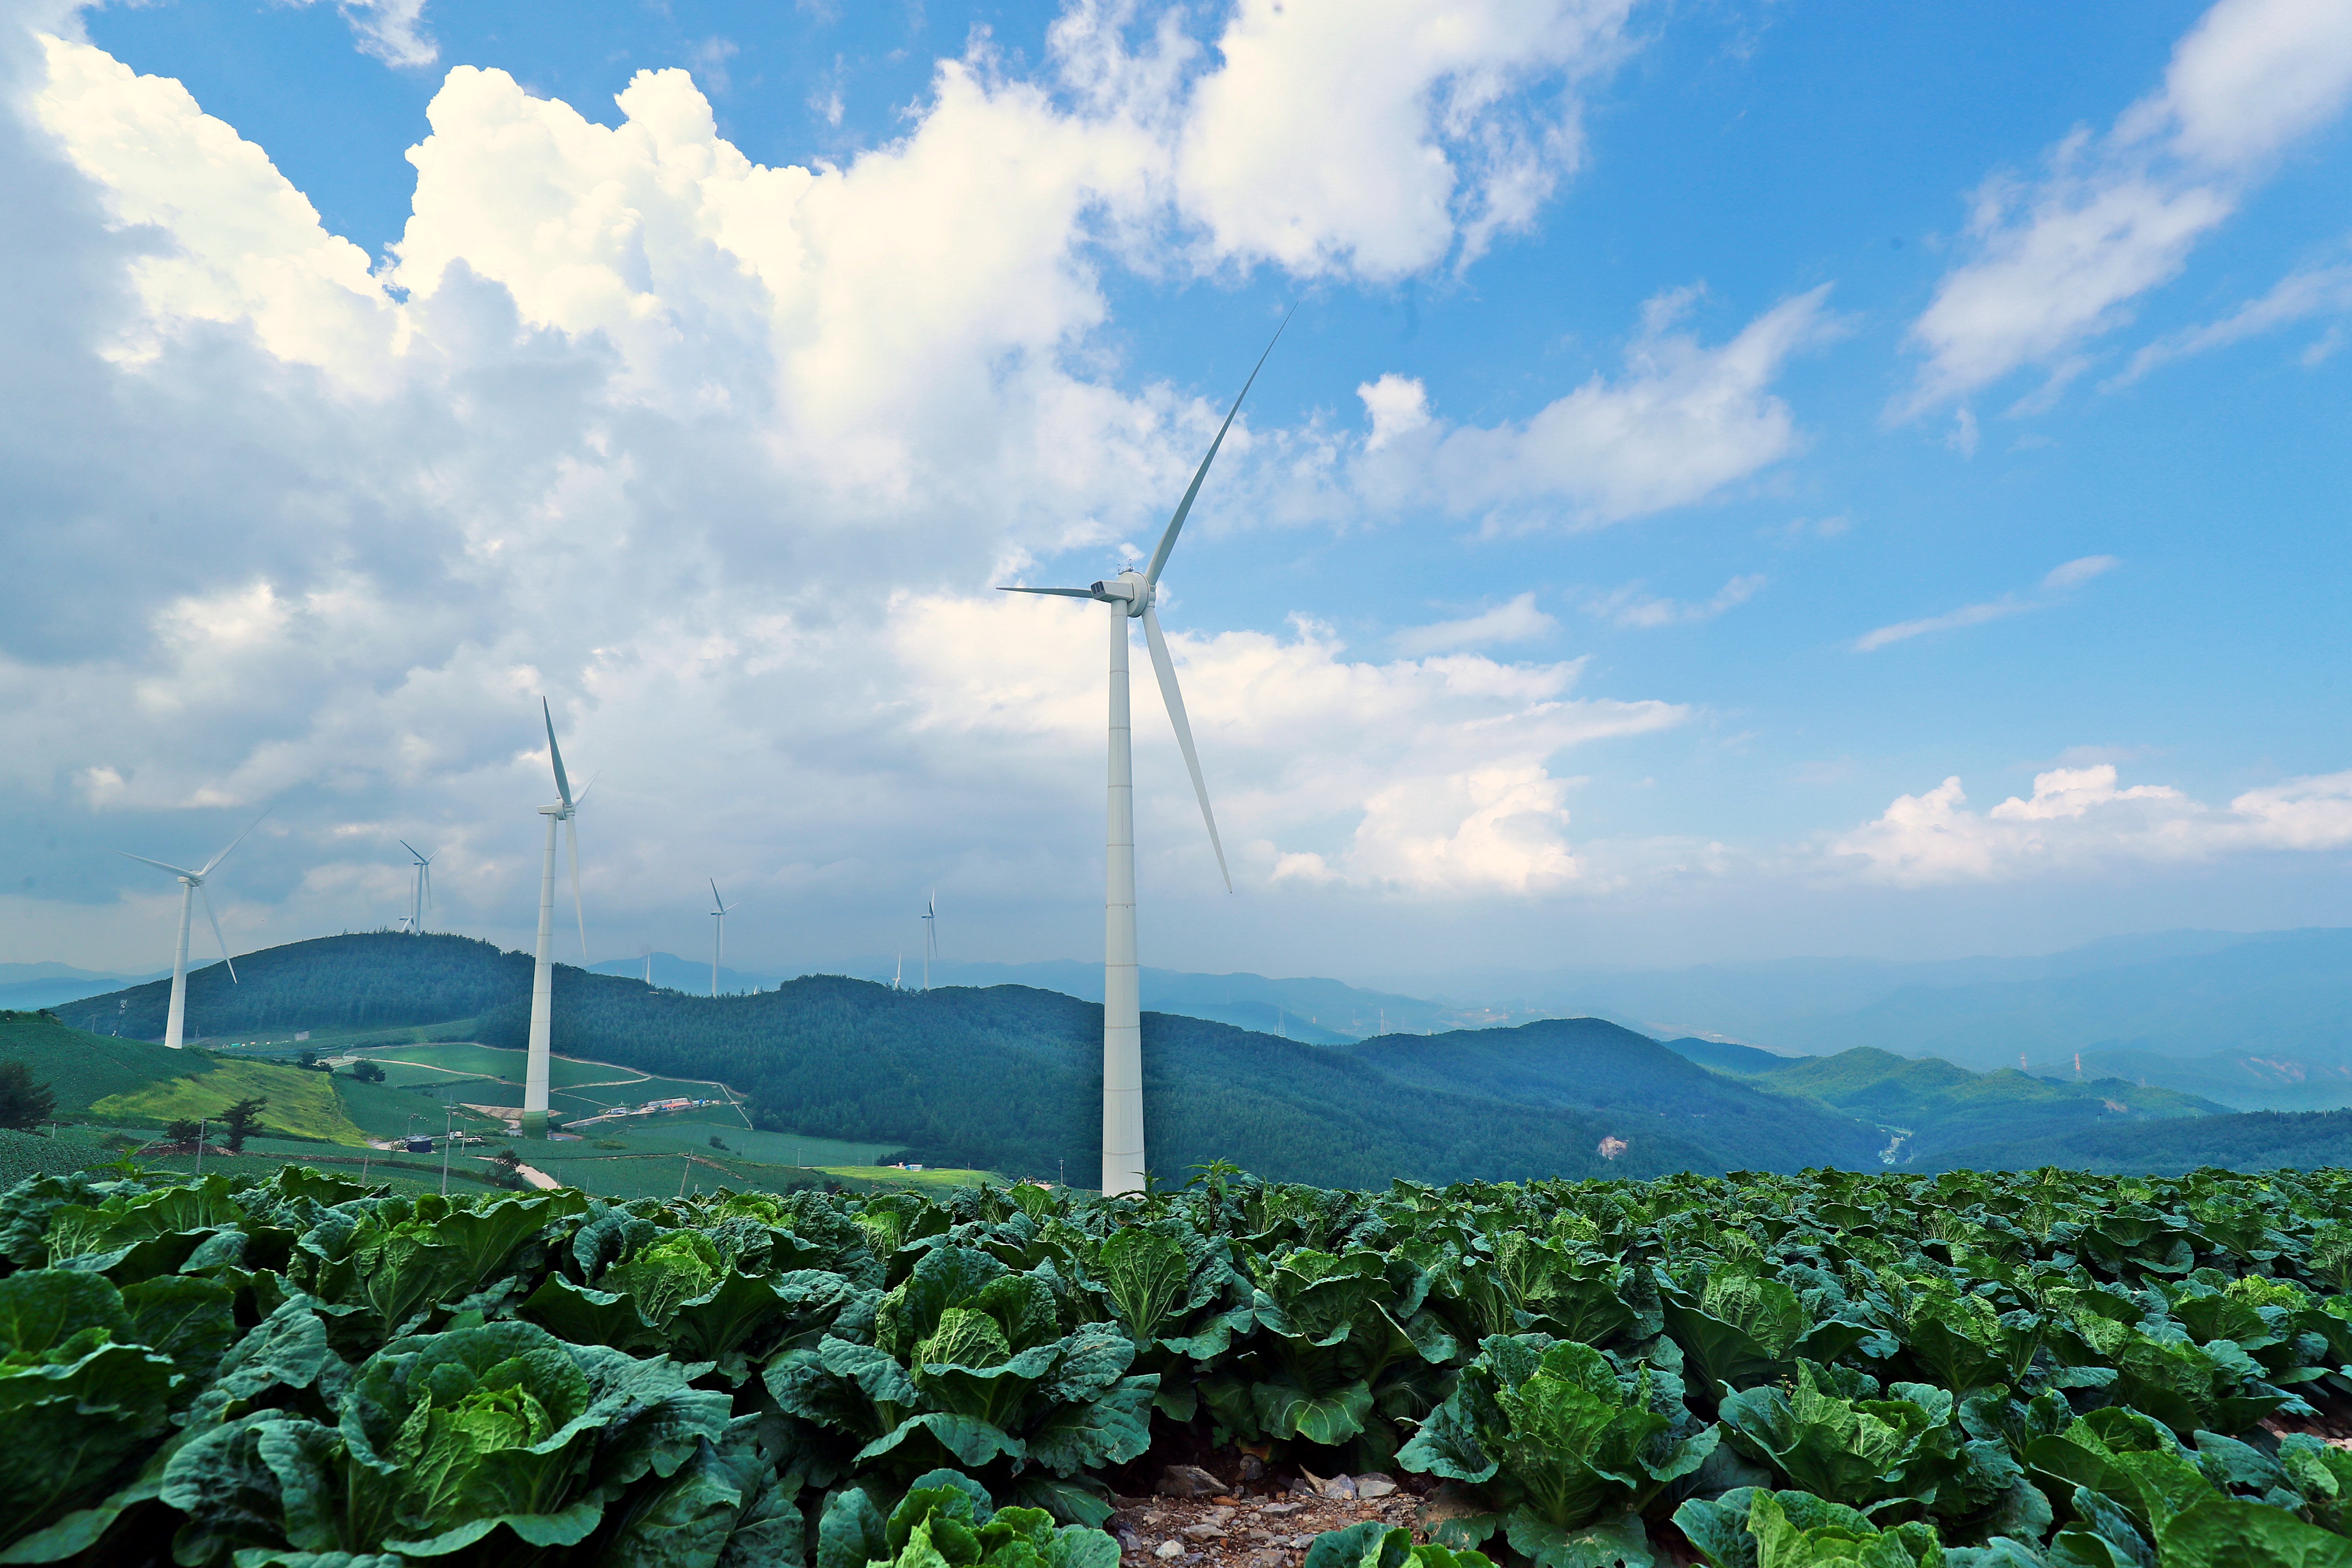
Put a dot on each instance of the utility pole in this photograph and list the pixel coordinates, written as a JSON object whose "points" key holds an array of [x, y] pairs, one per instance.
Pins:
{"points": [[448, 1136], [200, 1145]]}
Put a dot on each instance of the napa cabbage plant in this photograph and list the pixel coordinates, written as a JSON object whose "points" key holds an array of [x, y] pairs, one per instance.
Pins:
{"points": [[969, 1366], [441, 1441], [1341, 1349], [1566, 1445], [1750, 1527], [1830, 1434]]}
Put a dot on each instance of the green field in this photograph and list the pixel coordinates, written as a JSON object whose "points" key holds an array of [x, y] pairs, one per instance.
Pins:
{"points": [[575, 1088], [303, 1103], [693, 1133]]}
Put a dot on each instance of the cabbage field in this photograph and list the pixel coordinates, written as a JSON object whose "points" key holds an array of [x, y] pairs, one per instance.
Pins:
{"points": [[1988, 1371]]}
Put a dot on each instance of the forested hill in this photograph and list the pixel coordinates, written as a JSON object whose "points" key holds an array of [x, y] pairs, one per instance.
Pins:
{"points": [[357, 981], [1011, 1077]]}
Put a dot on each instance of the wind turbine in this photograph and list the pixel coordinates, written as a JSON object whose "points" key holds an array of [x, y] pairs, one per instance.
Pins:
{"points": [[420, 894], [1130, 595], [718, 912], [543, 978], [192, 887], [930, 935]]}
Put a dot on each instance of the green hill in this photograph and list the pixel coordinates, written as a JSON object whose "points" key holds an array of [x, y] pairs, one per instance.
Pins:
{"points": [[1938, 1107], [138, 1084], [356, 981], [1725, 1055], [1641, 1089]]}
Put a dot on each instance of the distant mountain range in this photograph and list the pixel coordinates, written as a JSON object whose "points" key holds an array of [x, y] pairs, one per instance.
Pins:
{"points": [[27, 986], [1008, 1078]]}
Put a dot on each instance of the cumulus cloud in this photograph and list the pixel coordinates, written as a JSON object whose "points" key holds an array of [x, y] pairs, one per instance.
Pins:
{"points": [[1378, 137], [2055, 261], [1517, 620], [717, 455], [2058, 580], [1684, 422], [1428, 776], [2080, 817]]}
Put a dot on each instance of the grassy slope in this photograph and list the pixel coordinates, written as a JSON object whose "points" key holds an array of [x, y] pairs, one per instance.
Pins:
{"points": [[82, 1068], [97, 1075], [1724, 1055], [303, 1103], [1948, 1107], [1641, 1089]]}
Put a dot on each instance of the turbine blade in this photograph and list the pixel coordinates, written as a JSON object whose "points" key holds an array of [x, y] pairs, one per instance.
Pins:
{"points": [[1184, 506], [571, 838], [175, 870], [412, 849], [232, 844], [718, 902], [1058, 593], [563, 785], [216, 933], [1165, 668]]}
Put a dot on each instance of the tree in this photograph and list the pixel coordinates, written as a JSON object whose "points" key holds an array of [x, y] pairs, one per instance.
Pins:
{"points": [[716, 1141], [241, 1120], [186, 1130], [368, 1072], [23, 1104], [309, 1059]]}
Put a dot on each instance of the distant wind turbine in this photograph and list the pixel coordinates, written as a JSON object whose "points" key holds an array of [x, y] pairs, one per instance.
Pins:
{"points": [[720, 907], [192, 887], [420, 892], [1131, 595], [930, 935], [542, 979]]}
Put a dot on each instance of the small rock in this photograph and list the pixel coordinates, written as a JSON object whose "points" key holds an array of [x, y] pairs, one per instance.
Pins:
{"points": [[1189, 1481], [1129, 1541], [1281, 1509], [1375, 1486], [1263, 1537], [1253, 1467], [1264, 1559], [1340, 1489], [1302, 1541], [1168, 1551], [1203, 1532], [1221, 1515]]}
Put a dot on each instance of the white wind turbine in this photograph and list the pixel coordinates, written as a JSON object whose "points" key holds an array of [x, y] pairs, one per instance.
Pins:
{"points": [[192, 887], [420, 892], [542, 979], [1130, 595], [930, 936], [719, 911]]}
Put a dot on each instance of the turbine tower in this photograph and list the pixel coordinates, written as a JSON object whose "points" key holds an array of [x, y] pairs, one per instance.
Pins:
{"points": [[543, 978], [192, 887], [720, 910], [930, 936], [420, 892], [1131, 595]]}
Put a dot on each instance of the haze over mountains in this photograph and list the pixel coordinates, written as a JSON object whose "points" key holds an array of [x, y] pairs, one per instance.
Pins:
{"points": [[1008, 1078]]}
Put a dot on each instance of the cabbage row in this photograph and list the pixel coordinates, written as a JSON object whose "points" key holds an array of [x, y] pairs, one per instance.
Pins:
{"points": [[2035, 1371]]}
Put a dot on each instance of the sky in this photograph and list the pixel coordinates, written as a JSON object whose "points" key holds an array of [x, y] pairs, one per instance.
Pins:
{"points": [[1741, 479]]}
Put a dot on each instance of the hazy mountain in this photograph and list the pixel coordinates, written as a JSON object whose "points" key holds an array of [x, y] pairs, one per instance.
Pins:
{"points": [[25, 987]]}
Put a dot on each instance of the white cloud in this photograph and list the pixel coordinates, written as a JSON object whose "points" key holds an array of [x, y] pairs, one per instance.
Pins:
{"points": [[1684, 422], [2058, 261], [1630, 606], [2058, 580], [1378, 137], [1517, 620], [2300, 295], [2079, 817], [390, 30], [1428, 776], [713, 454], [2075, 573]]}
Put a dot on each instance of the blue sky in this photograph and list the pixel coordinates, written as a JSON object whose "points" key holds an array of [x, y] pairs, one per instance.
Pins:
{"points": [[1706, 430]]}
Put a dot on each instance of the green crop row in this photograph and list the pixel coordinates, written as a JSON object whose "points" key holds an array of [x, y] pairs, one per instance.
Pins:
{"points": [[2035, 1371]]}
